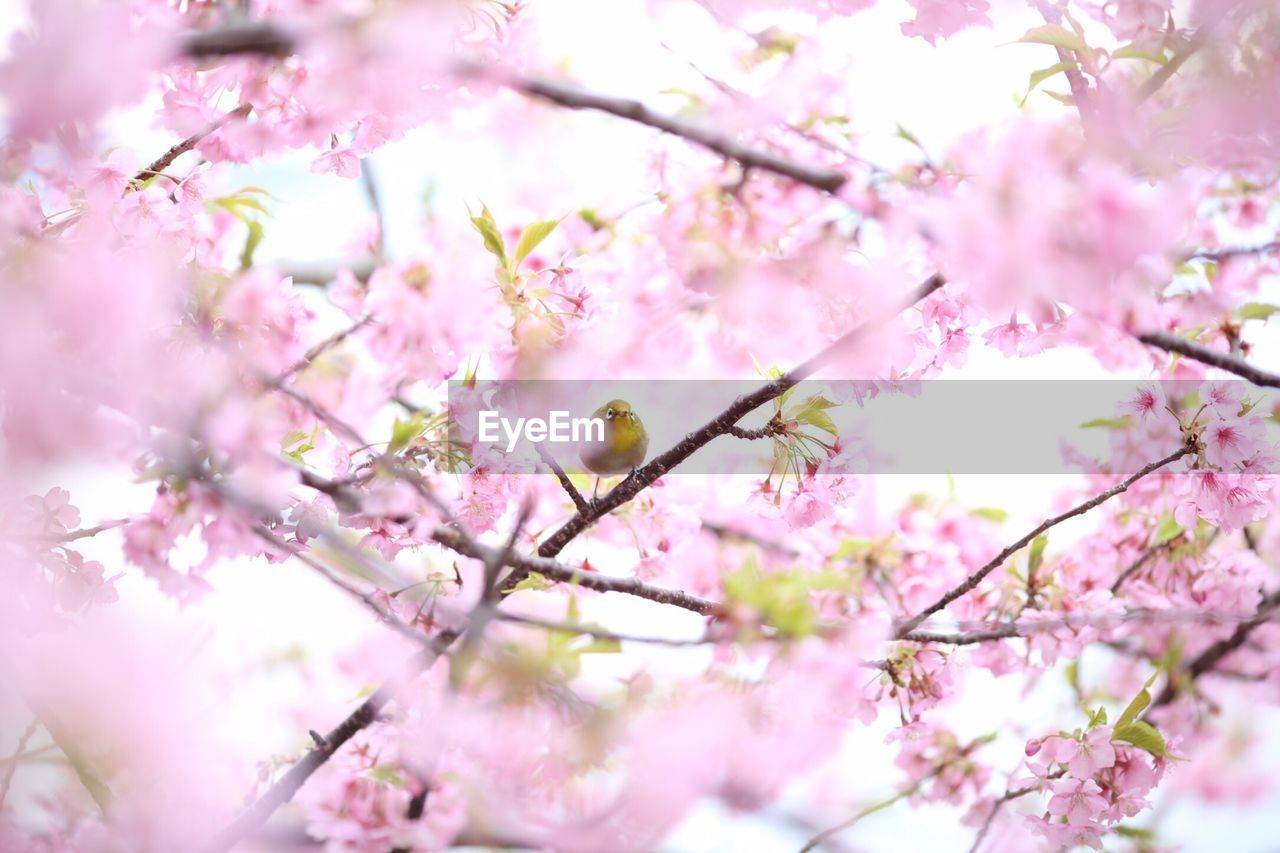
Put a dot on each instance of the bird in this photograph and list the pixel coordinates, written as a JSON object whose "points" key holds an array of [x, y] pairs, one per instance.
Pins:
{"points": [[624, 446]]}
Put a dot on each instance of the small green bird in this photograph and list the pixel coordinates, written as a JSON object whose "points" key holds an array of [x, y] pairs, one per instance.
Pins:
{"points": [[625, 442]]}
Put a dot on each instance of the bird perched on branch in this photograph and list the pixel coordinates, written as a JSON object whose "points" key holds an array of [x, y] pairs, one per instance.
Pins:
{"points": [[624, 446]]}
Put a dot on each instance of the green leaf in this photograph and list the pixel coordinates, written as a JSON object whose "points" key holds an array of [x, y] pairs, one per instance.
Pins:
{"points": [[1035, 557], [1137, 832], [1258, 310], [820, 419], [1169, 529], [1137, 706], [1108, 423], [251, 242], [79, 762], [292, 438], [1098, 717], [404, 432], [601, 646], [1038, 77], [534, 581], [488, 228], [1055, 35], [531, 237], [1144, 736], [902, 133], [783, 599], [1132, 51], [850, 547], [991, 513], [386, 774]]}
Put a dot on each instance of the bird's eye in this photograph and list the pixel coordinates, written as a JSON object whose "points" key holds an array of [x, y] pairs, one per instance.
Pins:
{"points": [[608, 413]]}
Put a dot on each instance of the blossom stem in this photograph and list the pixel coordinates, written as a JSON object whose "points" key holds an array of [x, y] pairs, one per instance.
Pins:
{"points": [[970, 583]]}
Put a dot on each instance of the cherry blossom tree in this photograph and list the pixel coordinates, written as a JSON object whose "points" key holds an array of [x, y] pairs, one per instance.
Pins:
{"points": [[538, 667]]}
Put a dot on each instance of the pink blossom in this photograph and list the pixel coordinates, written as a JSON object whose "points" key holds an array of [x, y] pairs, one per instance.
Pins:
{"points": [[76, 61], [943, 18], [1080, 801]]}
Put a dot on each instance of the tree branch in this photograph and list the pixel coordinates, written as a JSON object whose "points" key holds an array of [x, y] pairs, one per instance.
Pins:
{"points": [[576, 98], [574, 495], [1212, 656], [270, 39], [561, 573], [323, 347], [1170, 68], [970, 583], [1213, 358], [284, 789], [264, 38], [166, 159], [722, 424]]}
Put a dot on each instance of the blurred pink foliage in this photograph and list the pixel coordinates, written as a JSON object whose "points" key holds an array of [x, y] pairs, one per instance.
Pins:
{"points": [[272, 413]]}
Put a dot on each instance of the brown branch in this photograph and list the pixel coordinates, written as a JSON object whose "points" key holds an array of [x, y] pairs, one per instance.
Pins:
{"points": [[1229, 252], [722, 424], [970, 583], [1141, 561], [576, 98], [270, 39], [983, 632], [909, 791], [561, 573], [574, 495], [283, 790], [725, 532], [18, 751], [1000, 803], [166, 159], [1213, 358], [1166, 71], [323, 347], [83, 532], [1207, 660], [263, 38], [603, 634]]}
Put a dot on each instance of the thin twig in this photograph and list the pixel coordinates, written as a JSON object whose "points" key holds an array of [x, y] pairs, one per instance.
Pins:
{"points": [[603, 634], [982, 633], [324, 346], [724, 531], [385, 616], [995, 809], [970, 583], [1228, 252], [1141, 561], [27, 735], [574, 495], [369, 181], [1166, 71], [826, 834], [561, 573], [166, 159], [1207, 660], [577, 98], [1213, 358]]}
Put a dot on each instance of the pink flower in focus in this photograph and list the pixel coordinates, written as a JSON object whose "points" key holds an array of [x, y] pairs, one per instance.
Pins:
{"points": [[1093, 752], [1080, 801], [1230, 441]]}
